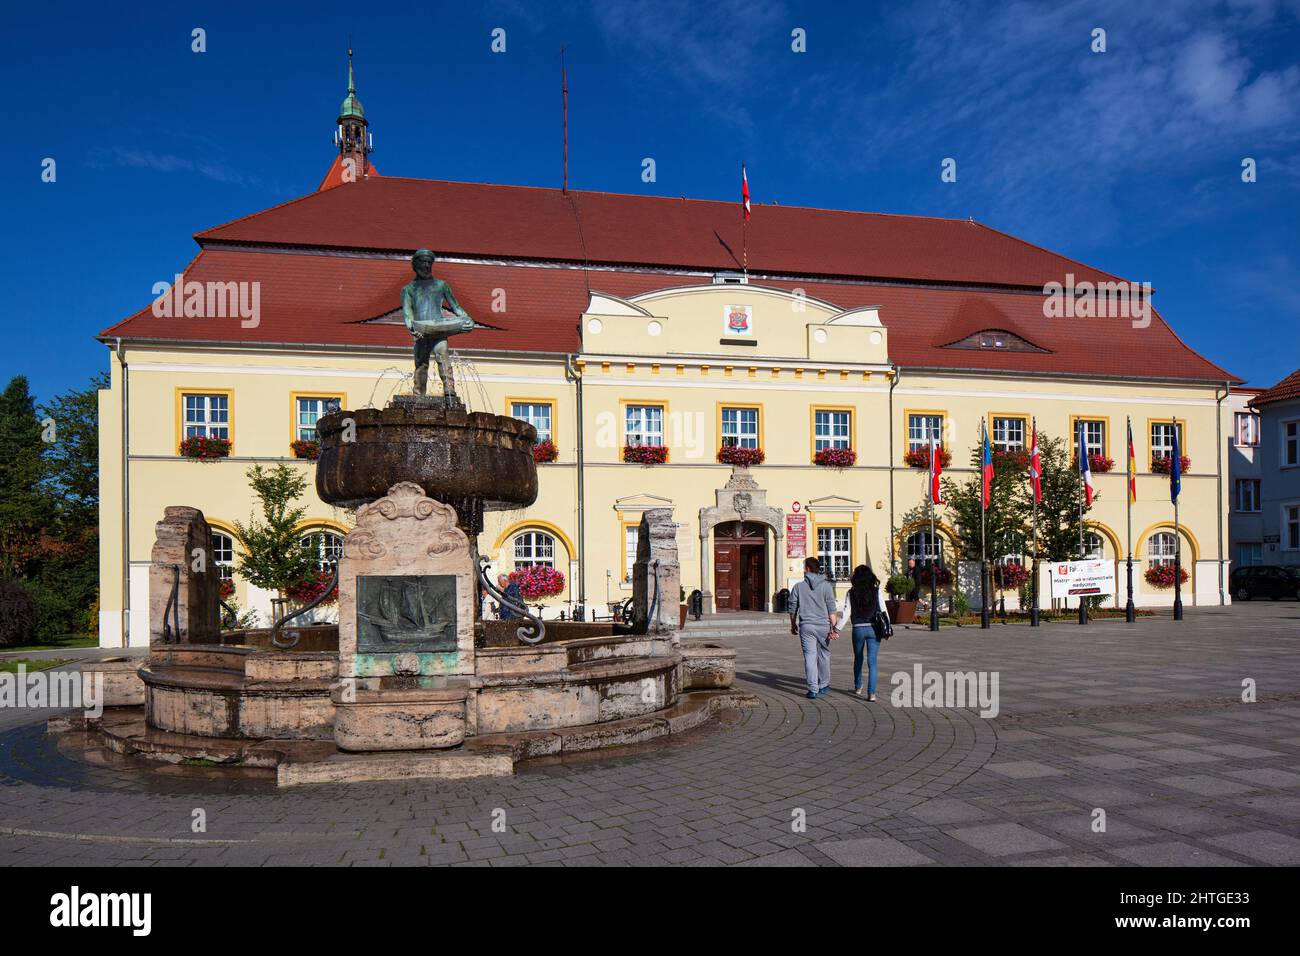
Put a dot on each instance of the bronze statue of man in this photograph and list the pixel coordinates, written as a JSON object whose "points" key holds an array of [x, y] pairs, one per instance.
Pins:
{"points": [[422, 302]]}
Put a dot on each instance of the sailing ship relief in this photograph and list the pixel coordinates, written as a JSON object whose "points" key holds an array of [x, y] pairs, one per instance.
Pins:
{"points": [[406, 612]]}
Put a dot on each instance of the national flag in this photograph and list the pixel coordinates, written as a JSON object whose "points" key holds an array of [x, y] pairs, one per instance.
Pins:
{"points": [[744, 190], [988, 471], [1085, 468], [1036, 469], [1175, 468], [1132, 467], [936, 466]]}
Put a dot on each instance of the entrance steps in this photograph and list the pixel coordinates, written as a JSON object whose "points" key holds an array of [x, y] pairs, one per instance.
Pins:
{"points": [[738, 624]]}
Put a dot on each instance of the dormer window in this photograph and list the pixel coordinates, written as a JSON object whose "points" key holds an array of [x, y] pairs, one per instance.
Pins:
{"points": [[995, 340], [730, 278]]}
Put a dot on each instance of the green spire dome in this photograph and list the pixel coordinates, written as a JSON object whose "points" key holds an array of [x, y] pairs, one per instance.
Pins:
{"points": [[351, 107]]}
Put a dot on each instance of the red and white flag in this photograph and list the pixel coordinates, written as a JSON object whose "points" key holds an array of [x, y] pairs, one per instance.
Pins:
{"points": [[935, 468], [1036, 469], [744, 190]]}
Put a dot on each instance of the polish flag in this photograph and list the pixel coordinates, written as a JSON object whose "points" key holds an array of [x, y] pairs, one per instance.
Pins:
{"points": [[744, 190], [1084, 468], [1036, 469], [935, 467]]}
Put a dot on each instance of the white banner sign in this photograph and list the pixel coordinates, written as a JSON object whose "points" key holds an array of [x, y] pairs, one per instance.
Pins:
{"points": [[1081, 578]]}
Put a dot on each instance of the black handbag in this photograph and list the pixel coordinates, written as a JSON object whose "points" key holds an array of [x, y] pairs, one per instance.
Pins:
{"points": [[881, 625]]}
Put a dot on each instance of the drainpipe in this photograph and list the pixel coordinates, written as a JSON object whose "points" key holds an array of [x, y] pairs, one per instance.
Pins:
{"points": [[126, 495], [1218, 425], [893, 566], [571, 373]]}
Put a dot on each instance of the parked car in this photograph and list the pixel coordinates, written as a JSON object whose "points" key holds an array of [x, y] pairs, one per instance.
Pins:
{"points": [[1265, 581]]}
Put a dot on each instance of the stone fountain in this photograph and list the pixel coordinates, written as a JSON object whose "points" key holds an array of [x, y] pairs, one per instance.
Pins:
{"points": [[413, 683]]}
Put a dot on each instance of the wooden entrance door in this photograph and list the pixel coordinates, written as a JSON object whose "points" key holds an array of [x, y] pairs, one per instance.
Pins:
{"points": [[740, 567]]}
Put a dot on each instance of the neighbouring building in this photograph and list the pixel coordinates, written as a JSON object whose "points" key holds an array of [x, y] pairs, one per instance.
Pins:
{"points": [[629, 332], [1246, 516], [1279, 500]]}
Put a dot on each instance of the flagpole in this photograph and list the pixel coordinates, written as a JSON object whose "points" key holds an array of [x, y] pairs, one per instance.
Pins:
{"points": [[1083, 450], [984, 551], [1176, 462], [1033, 492], [744, 229], [934, 590], [1130, 613]]}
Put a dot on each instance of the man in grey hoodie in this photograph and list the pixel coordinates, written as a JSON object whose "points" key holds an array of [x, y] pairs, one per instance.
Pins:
{"points": [[814, 616]]}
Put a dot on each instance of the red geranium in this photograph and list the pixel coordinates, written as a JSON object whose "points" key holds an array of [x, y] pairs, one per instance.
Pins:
{"points": [[308, 448], [1160, 463], [835, 457], [226, 589], [538, 581], [736, 455], [1016, 458], [645, 454], [1009, 577], [307, 591], [920, 457], [1162, 576], [545, 451], [204, 448]]}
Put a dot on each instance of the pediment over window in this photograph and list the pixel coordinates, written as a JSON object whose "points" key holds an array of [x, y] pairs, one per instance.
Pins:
{"points": [[641, 502]]}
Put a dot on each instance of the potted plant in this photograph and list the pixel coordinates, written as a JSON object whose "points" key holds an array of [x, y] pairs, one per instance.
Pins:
{"points": [[835, 457], [681, 624], [901, 610], [735, 455], [545, 451], [1160, 463], [305, 448], [920, 458], [538, 581], [645, 454], [1162, 576], [202, 448], [1016, 459]]}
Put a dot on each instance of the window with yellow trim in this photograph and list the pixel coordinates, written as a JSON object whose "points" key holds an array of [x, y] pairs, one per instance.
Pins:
{"points": [[308, 409], [832, 428], [739, 427], [1008, 433], [205, 415], [835, 549], [920, 428], [1094, 434], [537, 414]]}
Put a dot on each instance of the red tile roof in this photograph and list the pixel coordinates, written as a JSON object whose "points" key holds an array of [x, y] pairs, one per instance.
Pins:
{"points": [[519, 222], [334, 175], [309, 298], [1285, 390]]}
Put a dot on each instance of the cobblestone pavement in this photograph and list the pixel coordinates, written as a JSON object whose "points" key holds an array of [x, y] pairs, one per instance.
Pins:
{"points": [[1143, 722]]}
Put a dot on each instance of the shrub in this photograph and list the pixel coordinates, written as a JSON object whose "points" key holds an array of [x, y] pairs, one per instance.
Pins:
{"points": [[899, 585], [305, 448], [545, 451], [18, 616], [645, 454], [735, 455], [538, 581], [205, 449], [835, 457], [306, 592], [920, 458], [1162, 576], [1160, 463]]}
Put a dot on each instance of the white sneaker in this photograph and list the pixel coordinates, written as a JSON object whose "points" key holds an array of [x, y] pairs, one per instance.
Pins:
{"points": [[871, 698], [857, 691]]}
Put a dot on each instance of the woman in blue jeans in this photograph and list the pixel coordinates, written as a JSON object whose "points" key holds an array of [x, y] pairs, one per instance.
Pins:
{"points": [[861, 605]]}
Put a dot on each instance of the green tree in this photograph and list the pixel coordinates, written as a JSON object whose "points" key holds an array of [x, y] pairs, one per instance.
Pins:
{"points": [[1005, 525], [272, 558], [24, 505], [1059, 521]]}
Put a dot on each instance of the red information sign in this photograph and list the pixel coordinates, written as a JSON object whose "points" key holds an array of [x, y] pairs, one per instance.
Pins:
{"points": [[796, 535]]}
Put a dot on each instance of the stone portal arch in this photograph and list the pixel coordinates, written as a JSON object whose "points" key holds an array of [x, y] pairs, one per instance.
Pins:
{"points": [[740, 500]]}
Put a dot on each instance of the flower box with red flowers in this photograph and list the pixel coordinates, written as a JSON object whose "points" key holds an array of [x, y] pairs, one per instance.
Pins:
{"points": [[226, 589], [1160, 464], [538, 581], [1162, 576], [203, 448], [835, 457], [942, 576], [645, 454], [1016, 459], [736, 455], [545, 451], [305, 448], [920, 458], [307, 591], [1096, 463], [1010, 577]]}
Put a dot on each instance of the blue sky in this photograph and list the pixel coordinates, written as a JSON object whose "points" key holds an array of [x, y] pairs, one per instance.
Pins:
{"points": [[1129, 160]]}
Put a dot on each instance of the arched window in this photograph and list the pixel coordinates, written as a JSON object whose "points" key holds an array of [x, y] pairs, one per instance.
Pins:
{"points": [[1162, 547], [920, 548], [223, 554], [1094, 546], [324, 546], [534, 547]]}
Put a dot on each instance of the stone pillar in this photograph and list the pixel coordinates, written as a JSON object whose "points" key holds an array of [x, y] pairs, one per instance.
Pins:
{"points": [[656, 545], [182, 558], [706, 584]]}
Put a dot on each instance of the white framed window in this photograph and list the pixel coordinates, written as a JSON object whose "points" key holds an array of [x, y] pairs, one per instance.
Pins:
{"points": [[835, 547], [223, 555], [1008, 434], [537, 414], [832, 428], [1249, 553], [1248, 495], [324, 546], [630, 538], [1247, 429], [1094, 546], [740, 427], [207, 416], [1290, 444], [1291, 523], [1162, 439], [920, 547], [534, 547], [1162, 547], [920, 428], [644, 425], [1094, 435], [308, 410]]}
